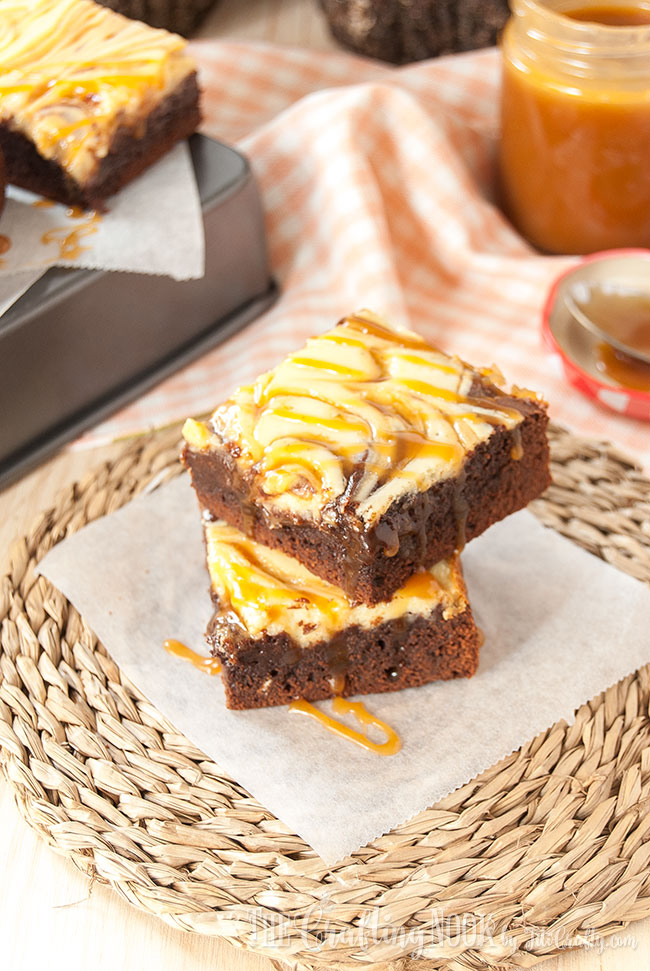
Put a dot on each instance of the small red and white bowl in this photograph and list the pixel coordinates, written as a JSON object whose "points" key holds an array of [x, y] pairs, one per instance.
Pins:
{"points": [[576, 347]]}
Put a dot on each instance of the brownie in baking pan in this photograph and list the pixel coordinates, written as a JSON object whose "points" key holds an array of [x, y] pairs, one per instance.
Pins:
{"points": [[282, 633], [368, 455], [88, 98]]}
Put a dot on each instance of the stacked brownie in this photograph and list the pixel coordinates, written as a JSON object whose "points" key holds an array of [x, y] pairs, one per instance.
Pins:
{"points": [[337, 492]]}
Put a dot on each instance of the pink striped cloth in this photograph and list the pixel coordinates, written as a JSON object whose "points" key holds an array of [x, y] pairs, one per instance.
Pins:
{"points": [[378, 187]]}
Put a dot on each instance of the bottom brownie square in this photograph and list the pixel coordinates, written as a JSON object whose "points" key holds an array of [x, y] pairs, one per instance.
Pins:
{"points": [[282, 633]]}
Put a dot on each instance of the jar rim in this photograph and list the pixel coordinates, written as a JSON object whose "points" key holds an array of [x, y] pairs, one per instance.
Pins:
{"points": [[551, 22], [575, 43]]}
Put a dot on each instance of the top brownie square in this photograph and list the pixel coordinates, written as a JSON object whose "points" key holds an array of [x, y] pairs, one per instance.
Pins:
{"points": [[369, 454]]}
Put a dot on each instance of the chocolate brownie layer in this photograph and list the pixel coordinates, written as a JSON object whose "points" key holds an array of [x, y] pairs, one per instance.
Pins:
{"points": [[402, 653], [131, 151]]}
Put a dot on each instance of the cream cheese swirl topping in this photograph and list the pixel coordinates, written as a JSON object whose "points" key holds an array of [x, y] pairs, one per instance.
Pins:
{"points": [[71, 71], [266, 591], [362, 415]]}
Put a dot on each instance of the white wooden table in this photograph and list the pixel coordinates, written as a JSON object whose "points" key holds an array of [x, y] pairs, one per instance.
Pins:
{"points": [[50, 916]]}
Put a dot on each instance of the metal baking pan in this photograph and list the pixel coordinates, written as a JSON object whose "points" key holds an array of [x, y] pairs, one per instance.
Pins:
{"points": [[82, 343]]}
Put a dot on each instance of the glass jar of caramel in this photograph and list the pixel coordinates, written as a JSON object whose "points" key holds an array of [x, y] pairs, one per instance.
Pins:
{"points": [[575, 138]]}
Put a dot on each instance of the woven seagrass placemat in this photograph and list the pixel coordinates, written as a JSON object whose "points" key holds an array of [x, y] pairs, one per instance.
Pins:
{"points": [[546, 849]]}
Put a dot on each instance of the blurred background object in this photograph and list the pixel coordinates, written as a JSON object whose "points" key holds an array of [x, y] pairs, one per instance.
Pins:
{"points": [[401, 31], [292, 23], [181, 16]]}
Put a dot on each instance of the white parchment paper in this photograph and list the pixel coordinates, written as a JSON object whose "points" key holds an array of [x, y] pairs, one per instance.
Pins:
{"points": [[560, 626], [153, 225]]}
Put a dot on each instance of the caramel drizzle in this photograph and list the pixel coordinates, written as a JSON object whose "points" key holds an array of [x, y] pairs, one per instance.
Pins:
{"points": [[74, 42], [337, 682], [295, 461], [5, 243], [340, 706], [209, 665], [373, 328], [69, 240], [252, 583], [260, 587], [422, 584], [517, 450]]}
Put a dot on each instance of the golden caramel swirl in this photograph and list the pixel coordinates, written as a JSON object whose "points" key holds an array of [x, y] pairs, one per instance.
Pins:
{"points": [[341, 706], [72, 71], [362, 415], [267, 591]]}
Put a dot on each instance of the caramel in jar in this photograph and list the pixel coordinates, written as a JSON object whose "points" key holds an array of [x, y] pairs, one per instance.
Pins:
{"points": [[575, 117]]}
